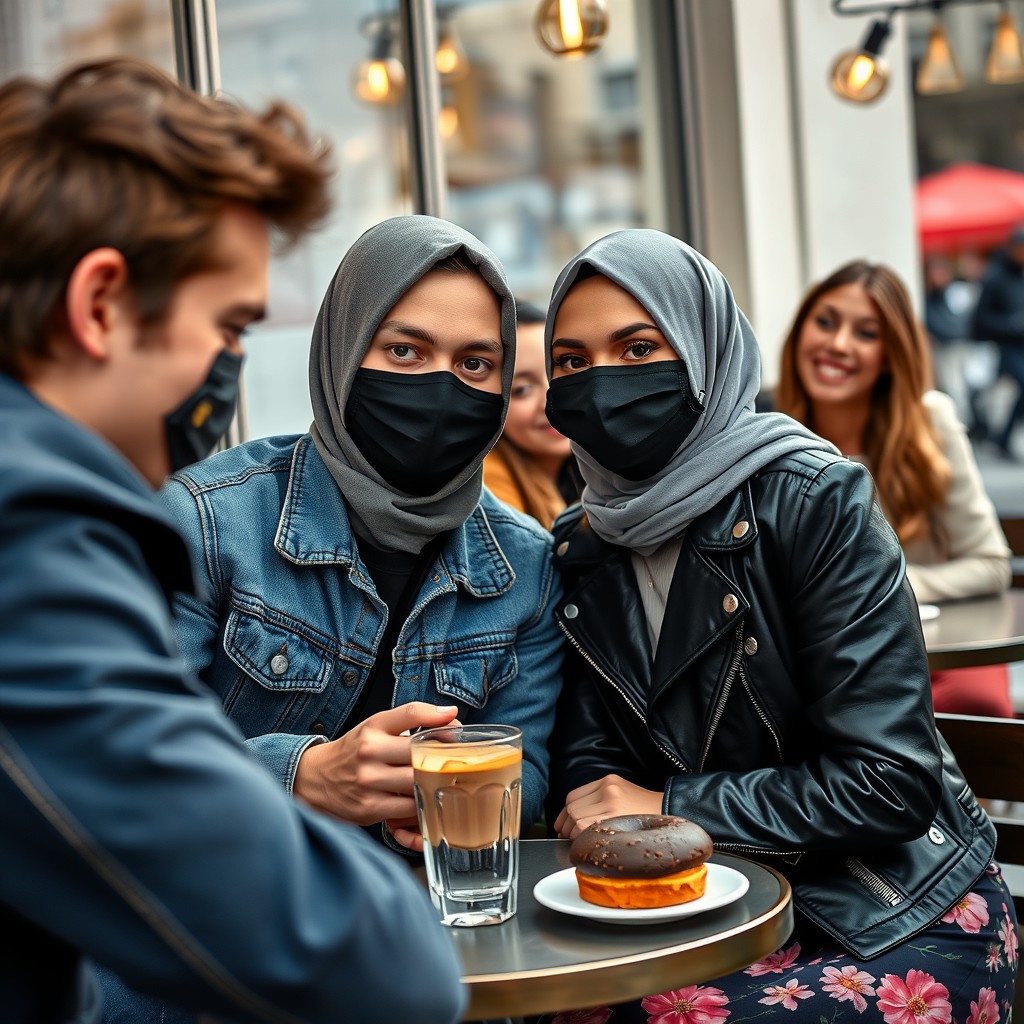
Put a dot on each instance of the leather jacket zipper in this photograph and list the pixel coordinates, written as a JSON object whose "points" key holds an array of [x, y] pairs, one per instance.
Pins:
{"points": [[878, 885], [760, 711], [733, 666], [730, 677], [618, 689]]}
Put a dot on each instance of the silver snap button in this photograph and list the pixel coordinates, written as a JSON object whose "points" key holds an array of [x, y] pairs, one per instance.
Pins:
{"points": [[730, 603], [750, 646], [279, 664], [562, 548], [936, 836], [571, 611], [741, 529]]}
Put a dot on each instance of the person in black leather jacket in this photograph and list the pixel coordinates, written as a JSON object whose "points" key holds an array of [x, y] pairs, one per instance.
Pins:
{"points": [[745, 651]]}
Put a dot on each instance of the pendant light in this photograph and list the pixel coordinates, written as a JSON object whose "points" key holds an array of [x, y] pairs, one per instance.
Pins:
{"points": [[1005, 64], [380, 79], [571, 28], [861, 75], [938, 71], [450, 57]]}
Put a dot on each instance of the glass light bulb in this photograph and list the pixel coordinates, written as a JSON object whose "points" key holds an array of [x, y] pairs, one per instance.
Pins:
{"points": [[571, 28], [859, 77], [450, 58], [447, 122], [1005, 63], [379, 80], [938, 71]]}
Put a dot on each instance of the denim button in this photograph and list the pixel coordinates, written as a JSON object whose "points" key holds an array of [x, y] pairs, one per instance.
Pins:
{"points": [[318, 728], [350, 677], [279, 664], [571, 611]]}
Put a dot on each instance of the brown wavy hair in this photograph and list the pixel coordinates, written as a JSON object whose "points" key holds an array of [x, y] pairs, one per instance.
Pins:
{"points": [[116, 153], [910, 469]]}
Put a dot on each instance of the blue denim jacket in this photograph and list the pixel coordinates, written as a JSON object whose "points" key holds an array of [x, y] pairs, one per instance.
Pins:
{"points": [[135, 830], [291, 621]]}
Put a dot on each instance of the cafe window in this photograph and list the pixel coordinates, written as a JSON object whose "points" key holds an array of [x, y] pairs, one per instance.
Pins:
{"points": [[40, 37]]}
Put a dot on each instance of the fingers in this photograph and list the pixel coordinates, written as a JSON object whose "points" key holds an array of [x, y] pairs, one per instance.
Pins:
{"points": [[414, 715], [406, 833]]}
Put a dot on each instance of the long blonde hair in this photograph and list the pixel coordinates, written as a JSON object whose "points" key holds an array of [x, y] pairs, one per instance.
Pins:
{"points": [[911, 471]]}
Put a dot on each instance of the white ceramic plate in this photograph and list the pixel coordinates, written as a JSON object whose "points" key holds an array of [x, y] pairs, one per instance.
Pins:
{"points": [[928, 612], [560, 892]]}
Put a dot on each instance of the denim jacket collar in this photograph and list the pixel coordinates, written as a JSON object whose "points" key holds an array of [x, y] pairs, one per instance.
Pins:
{"points": [[314, 528]]}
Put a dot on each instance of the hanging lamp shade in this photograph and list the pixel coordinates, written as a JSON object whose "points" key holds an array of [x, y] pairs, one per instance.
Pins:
{"points": [[1005, 64], [938, 71]]}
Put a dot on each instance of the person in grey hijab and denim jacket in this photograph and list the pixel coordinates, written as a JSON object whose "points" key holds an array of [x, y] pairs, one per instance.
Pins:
{"points": [[307, 545], [745, 651]]}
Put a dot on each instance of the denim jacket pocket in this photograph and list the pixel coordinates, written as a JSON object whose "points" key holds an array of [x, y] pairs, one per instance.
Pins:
{"points": [[276, 657], [470, 670]]}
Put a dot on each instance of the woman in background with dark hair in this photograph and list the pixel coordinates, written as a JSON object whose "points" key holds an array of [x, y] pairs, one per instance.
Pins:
{"points": [[530, 468], [856, 369]]}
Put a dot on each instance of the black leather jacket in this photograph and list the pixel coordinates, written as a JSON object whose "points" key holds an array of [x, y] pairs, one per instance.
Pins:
{"points": [[788, 710]]}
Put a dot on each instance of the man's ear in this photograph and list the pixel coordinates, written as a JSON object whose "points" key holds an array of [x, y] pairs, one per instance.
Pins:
{"points": [[98, 301]]}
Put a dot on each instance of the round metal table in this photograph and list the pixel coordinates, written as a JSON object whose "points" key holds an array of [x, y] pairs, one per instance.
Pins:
{"points": [[980, 631], [542, 961]]}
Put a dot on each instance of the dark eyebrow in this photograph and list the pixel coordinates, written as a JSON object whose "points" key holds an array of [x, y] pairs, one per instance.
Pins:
{"points": [[568, 343], [412, 331], [625, 332], [246, 311]]}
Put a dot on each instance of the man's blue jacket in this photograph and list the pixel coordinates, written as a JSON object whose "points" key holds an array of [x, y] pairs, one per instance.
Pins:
{"points": [[135, 829]]}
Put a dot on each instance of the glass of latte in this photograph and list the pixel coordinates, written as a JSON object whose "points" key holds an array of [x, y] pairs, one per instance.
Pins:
{"points": [[468, 781]]}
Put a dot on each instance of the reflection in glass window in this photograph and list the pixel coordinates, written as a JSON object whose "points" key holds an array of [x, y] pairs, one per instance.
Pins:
{"points": [[39, 37], [543, 154], [307, 52]]}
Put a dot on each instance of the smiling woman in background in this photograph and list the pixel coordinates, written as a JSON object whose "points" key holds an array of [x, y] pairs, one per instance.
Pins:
{"points": [[855, 368]]}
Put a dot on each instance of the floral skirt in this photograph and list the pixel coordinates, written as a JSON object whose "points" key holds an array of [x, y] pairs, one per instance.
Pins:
{"points": [[961, 970]]}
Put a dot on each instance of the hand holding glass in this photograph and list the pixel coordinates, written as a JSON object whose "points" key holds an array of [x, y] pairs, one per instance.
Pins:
{"points": [[468, 781]]}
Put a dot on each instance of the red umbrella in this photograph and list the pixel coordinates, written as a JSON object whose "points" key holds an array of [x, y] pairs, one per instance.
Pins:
{"points": [[968, 206]]}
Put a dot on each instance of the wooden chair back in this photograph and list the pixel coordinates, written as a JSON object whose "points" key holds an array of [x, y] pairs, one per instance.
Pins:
{"points": [[1013, 527], [991, 753]]}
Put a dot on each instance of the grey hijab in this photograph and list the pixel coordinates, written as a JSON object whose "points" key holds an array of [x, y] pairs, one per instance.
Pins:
{"points": [[694, 308], [380, 267]]}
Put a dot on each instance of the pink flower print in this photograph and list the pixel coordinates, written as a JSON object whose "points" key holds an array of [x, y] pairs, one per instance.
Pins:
{"points": [[1008, 933], [597, 1015], [774, 963], [811, 963], [993, 956], [787, 994], [985, 1010], [971, 913], [695, 1004], [917, 999], [849, 985]]}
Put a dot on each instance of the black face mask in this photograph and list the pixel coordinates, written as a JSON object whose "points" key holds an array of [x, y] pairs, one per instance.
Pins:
{"points": [[631, 419], [419, 430], [203, 418]]}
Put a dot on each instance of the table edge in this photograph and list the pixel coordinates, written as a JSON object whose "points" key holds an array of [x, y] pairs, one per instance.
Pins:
{"points": [[501, 995]]}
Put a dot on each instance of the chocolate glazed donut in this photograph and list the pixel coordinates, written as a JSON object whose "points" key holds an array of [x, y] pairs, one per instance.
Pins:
{"points": [[639, 846]]}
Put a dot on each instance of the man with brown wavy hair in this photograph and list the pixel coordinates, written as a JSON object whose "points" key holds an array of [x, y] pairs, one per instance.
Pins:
{"points": [[137, 831]]}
